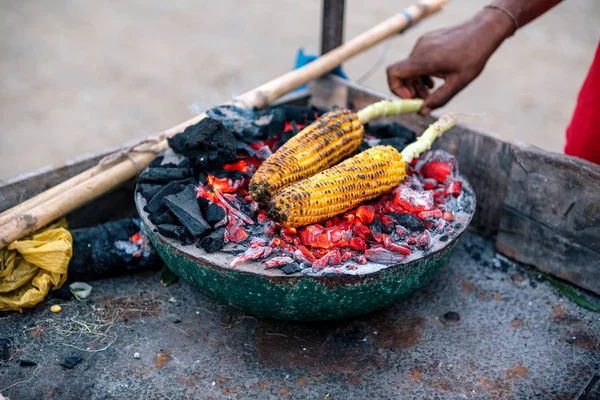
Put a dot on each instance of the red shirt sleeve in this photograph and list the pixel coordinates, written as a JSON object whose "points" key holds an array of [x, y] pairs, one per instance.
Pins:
{"points": [[583, 133]]}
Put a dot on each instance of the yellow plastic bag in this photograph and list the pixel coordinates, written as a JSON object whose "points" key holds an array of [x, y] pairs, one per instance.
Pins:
{"points": [[31, 267]]}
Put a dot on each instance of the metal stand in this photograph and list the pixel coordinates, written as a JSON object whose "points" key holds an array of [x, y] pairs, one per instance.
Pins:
{"points": [[332, 28]]}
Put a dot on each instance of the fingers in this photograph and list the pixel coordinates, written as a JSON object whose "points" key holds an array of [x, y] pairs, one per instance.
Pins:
{"points": [[406, 69], [421, 88], [407, 80], [404, 79], [428, 81], [442, 95], [399, 87]]}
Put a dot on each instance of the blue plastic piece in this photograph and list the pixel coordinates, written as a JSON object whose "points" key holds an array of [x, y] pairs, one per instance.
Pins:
{"points": [[302, 59]]}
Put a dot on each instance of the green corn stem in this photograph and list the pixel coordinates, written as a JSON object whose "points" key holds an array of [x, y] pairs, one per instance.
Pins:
{"points": [[424, 142], [389, 108]]}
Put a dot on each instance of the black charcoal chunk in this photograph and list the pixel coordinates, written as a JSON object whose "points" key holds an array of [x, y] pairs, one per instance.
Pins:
{"points": [[450, 317], [5, 345], [408, 221], [213, 242], [396, 142], [214, 214], [363, 146], [148, 190], [27, 363], [185, 208], [206, 144], [110, 249], [295, 128], [301, 114], [164, 218], [393, 130], [202, 202], [287, 135], [71, 362], [243, 146], [225, 173], [171, 231], [291, 268], [156, 162], [376, 226], [64, 293], [156, 205], [165, 175], [250, 125], [185, 163]]}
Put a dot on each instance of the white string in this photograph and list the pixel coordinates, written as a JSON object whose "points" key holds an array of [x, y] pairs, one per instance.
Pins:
{"points": [[378, 63]]}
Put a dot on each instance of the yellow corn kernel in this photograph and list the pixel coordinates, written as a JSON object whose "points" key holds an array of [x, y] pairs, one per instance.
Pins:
{"points": [[336, 190], [331, 138]]}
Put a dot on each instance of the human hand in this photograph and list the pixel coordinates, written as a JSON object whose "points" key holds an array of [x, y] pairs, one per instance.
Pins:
{"points": [[457, 55]]}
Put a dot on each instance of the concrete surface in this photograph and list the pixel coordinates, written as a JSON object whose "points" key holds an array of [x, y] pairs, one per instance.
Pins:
{"points": [[511, 337], [77, 77]]}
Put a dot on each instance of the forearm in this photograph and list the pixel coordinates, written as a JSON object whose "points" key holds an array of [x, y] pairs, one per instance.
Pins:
{"points": [[525, 11]]}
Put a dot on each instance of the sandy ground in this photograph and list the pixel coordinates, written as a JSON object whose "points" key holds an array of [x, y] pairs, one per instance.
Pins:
{"points": [[77, 77]]}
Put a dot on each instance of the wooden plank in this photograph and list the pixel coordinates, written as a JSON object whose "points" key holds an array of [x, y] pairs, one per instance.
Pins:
{"points": [[552, 215], [526, 240]]}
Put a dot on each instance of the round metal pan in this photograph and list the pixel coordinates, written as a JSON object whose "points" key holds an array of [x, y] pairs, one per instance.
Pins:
{"points": [[271, 293]]}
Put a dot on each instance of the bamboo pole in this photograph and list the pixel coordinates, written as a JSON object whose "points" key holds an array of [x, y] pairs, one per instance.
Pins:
{"points": [[60, 200]]}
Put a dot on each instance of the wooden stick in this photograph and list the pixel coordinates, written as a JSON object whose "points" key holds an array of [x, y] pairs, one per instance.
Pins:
{"points": [[70, 183], [270, 91], [96, 181]]}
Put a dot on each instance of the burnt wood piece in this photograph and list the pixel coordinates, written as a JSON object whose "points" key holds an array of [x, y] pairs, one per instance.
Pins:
{"points": [[207, 144], [408, 221], [174, 232], [541, 207], [156, 205], [165, 218], [106, 250], [214, 214], [249, 126], [162, 175], [148, 190], [185, 208], [213, 242]]}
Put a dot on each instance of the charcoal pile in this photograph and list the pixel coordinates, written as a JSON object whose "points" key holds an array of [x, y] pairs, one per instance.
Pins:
{"points": [[200, 197]]}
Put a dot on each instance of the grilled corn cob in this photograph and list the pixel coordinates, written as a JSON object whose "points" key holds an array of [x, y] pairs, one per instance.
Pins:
{"points": [[361, 178], [333, 137]]}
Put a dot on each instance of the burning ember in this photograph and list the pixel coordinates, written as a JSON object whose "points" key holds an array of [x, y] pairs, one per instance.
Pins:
{"points": [[402, 223], [384, 231]]}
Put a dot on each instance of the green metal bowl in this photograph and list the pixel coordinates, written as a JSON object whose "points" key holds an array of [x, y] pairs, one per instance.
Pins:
{"points": [[273, 294]]}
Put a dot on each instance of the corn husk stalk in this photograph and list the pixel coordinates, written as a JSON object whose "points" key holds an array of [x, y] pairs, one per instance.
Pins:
{"points": [[388, 108], [424, 142]]}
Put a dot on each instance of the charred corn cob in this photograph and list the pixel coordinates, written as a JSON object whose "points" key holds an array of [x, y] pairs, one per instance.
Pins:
{"points": [[333, 137], [361, 178]]}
